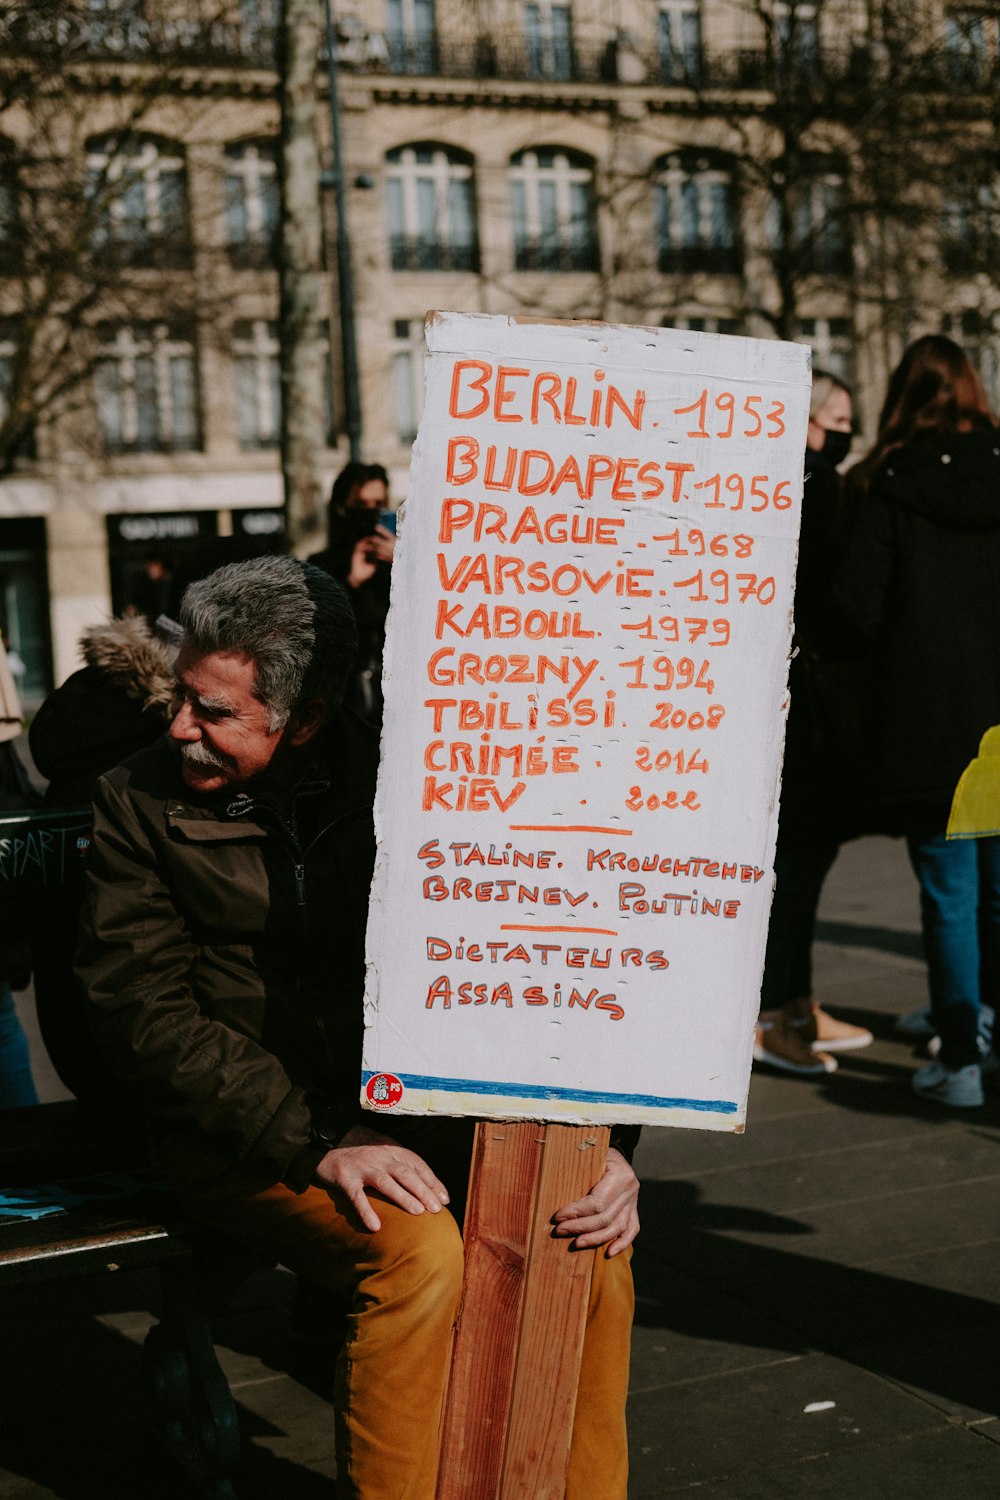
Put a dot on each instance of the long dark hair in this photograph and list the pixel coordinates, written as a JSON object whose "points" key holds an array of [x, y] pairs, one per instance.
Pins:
{"points": [[933, 391]]}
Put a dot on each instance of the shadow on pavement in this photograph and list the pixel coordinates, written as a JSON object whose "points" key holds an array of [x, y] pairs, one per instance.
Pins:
{"points": [[76, 1417], [865, 1084], [865, 935], [704, 1282]]}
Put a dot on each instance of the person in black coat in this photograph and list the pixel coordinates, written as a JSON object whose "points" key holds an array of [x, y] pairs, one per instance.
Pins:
{"points": [[923, 580], [117, 703], [793, 1033], [359, 553]]}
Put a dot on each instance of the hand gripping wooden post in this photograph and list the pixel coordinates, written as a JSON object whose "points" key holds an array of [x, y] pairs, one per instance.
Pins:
{"points": [[516, 1355]]}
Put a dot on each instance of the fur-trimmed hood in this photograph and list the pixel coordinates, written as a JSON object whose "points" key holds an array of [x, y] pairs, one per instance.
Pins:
{"points": [[117, 704], [136, 660]]}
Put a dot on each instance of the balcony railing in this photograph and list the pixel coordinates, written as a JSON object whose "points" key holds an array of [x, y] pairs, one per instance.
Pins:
{"points": [[821, 259], [118, 447], [538, 255], [413, 254], [972, 253], [259, 254], [800, 65], [715, 260], [146, 252], [417, 56], [46, 32]]}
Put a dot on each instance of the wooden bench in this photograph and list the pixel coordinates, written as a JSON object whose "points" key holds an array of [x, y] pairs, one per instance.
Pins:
{"points": [[77, 1199]]}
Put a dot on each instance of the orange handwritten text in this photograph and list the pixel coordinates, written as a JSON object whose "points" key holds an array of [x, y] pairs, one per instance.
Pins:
{"points": [[557, 713], [632, 897], [490, 759], [487, 519], [507, 621], [443, 671], [533, 472], [440, 950], [465, 854], [467, 794], [510, 394], [443, 989], [464, 889]]}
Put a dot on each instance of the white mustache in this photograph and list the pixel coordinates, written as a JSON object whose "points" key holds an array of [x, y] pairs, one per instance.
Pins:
{"points": [[197, 754]]}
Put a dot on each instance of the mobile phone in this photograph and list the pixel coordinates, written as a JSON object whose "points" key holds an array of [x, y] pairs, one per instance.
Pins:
{"points": [[387, 518]]}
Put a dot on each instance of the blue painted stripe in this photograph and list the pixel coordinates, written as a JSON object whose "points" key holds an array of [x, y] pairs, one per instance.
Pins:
{"points": [[546, 1091]]}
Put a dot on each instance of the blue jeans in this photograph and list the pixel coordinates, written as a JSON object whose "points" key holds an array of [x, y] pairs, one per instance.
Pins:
{"points": [[959, 913], [16, 1086]]}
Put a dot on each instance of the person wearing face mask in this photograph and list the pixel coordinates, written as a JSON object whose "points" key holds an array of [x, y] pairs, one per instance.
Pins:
{"points": [[359, 555], [793, 1033]]}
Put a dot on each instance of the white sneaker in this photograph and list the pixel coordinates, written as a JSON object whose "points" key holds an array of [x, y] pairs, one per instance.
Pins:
{"points": [[961, 1088]]}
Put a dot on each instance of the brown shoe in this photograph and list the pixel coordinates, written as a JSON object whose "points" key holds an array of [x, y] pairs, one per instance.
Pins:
{"points": [[781, 1045], [837, 1036]]}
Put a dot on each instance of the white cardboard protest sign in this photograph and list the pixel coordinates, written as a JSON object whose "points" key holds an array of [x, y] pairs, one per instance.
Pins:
{"points": [[586, 668]]}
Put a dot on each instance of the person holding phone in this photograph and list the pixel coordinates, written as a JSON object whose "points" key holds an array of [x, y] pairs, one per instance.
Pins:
{"points": [[359, 554]]}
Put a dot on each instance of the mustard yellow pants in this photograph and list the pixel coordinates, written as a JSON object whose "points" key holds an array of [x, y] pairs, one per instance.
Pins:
{"points": [[404, 1284]]}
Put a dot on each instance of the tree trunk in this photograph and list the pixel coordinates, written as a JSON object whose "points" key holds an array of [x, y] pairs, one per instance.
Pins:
{"points": [[303, 397]]}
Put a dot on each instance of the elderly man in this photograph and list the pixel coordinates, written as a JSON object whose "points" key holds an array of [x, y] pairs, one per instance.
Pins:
{"points": [[223, 954]]}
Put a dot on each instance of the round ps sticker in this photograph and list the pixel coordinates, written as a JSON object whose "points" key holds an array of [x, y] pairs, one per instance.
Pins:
{"points": [[383, 1091]]}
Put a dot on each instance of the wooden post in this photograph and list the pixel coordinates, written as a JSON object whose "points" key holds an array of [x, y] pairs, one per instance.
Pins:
{"points": [[516, 1357]]}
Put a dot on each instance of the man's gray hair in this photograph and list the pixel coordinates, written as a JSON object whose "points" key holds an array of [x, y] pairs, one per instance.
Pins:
{"points": [[292, 620]]}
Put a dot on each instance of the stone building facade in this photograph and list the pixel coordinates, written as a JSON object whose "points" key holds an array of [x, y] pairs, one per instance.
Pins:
{"points": [[737, 166]]}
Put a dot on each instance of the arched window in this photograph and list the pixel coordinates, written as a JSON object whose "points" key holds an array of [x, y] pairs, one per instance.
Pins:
{"points": [[137, 189], [697, 222], [253, 203], [431, 205], [553, 212]]}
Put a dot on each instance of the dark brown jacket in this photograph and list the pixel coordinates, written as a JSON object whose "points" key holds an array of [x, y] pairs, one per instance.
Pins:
{"points": [[222, 949]]}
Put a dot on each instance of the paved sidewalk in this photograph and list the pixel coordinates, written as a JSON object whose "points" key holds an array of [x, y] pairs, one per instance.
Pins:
{"points": [[844, 1253]]}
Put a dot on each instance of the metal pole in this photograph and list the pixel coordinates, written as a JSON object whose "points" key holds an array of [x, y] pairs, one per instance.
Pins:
{"points": [[345, 276]]}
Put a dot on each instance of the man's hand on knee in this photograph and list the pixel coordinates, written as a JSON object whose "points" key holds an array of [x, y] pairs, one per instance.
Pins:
{"points": [[608, 1215], [365, 1159]]}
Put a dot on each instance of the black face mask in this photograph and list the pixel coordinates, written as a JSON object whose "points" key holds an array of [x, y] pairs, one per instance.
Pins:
{"points": [[836, 446]]}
